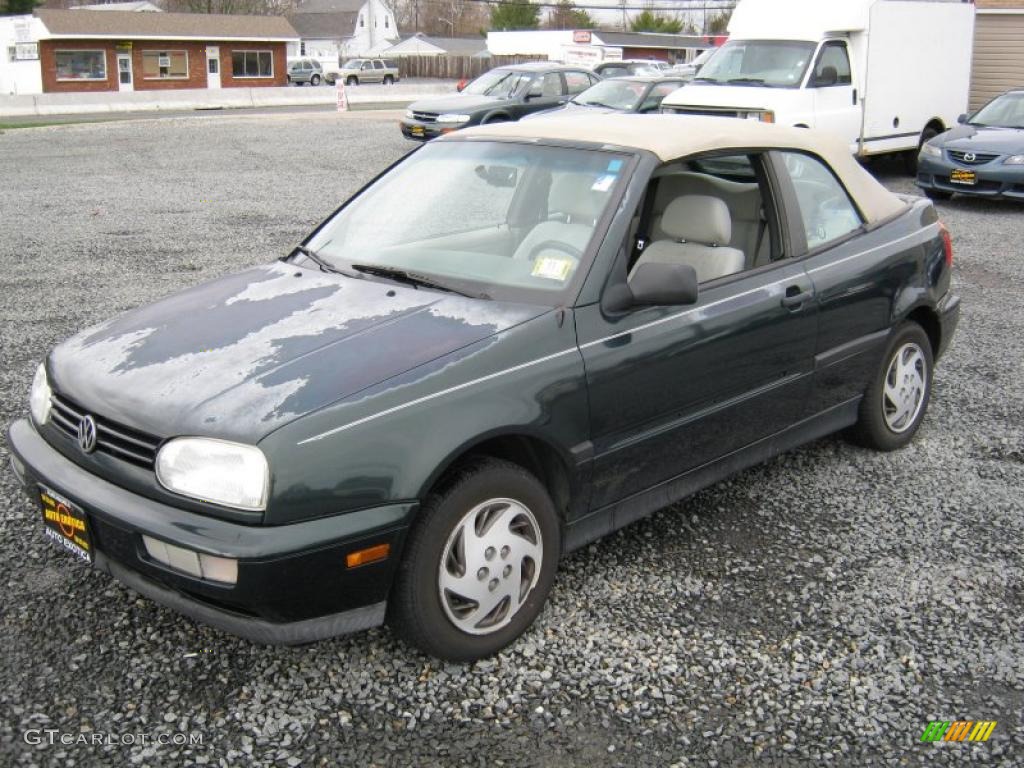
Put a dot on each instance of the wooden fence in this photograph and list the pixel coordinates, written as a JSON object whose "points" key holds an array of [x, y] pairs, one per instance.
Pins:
{"points": [[453, 67]]}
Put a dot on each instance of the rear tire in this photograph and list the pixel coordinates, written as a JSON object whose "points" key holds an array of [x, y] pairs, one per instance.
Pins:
{"points": [[352, 80], [897, 398], [389, 80], [910, 156], [314, 80], [470, 582]]}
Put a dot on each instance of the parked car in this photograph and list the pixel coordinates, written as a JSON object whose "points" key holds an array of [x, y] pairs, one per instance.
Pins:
{"points": [[638, 93], [847, 67], [357, 71], [303, 71], [982, 156], [516, 340], [500, 95], [690, 69], [627, 67]]}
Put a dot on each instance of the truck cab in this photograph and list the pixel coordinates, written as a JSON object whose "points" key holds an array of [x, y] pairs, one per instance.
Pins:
{"points": [[865, 70]]}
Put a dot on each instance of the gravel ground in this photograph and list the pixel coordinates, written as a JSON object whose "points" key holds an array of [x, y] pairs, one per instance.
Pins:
{"points": [[819, 609]]}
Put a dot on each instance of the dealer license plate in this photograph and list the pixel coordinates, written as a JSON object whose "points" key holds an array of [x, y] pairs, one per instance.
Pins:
{"points": [[416, 130], [960, 176], [65, 524]]}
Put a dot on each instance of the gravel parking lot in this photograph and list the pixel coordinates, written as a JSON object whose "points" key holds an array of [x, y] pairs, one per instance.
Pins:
{"points": [[819, 609]]}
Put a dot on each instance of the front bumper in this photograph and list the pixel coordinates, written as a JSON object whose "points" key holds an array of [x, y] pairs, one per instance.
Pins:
{"points": [[949, 316], [418, 130], [994, 179], [293, 584]]}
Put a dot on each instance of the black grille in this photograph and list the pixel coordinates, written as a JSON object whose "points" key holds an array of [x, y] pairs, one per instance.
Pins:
{"points": [[706, 111], [425, 117], [976, 158], [111, 438]]}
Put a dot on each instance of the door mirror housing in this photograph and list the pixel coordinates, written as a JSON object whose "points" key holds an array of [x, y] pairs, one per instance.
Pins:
{"points": [[533, 93], [962, 118], [656, 283]]}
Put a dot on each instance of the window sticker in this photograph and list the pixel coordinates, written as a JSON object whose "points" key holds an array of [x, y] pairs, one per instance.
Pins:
{"points": [[614, 166], [603, 183], [552, 268]]}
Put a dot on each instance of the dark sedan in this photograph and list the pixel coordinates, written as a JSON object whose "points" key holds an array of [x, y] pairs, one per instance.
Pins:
{"points": [[639, 93], [983, 156], [516, 340], [499, 96]]}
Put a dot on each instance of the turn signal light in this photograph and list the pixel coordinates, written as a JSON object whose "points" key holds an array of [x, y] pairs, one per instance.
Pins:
{"points": [[947, 244], [369, 555]]}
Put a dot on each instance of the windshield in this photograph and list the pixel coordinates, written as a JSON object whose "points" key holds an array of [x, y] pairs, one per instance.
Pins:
{"points": [[771, 63], [512, 221], [1006, 111], [352, 64], [498, 83], [616, 94]]}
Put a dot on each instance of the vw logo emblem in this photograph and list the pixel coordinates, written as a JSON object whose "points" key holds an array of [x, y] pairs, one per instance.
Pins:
{"points": [[87, 434], [970, 157]]}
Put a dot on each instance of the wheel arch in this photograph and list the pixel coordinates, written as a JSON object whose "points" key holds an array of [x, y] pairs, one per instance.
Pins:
{"points": [[926, 317], [534, 452], [496, 114]]}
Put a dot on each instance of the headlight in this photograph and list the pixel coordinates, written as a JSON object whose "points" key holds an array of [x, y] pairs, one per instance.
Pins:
{"points": [[452, 118], [216, 471], [408, 114], [39, 397], [1014, 160], [931, 150], [767, 116]]}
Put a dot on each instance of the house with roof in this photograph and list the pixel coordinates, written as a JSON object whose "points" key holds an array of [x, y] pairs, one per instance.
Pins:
{"points": [[331, 30], [423, 45], [88, 51]]}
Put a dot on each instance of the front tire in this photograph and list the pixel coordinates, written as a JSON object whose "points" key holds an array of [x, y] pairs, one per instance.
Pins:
{"points": [[910, 157], [479, 563], [352, 80], [897, 399], [388, 80]]}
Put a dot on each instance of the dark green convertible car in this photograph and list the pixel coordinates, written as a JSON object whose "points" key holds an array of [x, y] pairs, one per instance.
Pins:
{"points": [[572, 323]]}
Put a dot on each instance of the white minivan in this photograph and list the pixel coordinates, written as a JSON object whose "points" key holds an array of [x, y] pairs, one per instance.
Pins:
{"points": [[884, 75]]}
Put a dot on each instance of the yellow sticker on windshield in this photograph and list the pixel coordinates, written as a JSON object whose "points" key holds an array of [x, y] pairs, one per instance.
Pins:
{"points": [[553, 269]]}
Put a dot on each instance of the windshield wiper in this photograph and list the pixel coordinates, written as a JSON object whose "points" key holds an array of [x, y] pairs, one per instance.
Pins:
{"points": [[705, 80], [749, 81], [414, 279], [595, 104], [321, 262]]}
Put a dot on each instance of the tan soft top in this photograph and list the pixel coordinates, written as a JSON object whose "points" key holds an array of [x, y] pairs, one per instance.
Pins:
{"points": [[671, 137]]}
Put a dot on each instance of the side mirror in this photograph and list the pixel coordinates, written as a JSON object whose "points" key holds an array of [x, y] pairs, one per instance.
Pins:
{"points": [[962, 118], [826, 77], [663, 284], [533, 94]]}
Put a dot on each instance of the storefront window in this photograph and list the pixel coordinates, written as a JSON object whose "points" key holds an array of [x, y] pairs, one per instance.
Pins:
{"points": [[81, 65], [252, 64], [164, 65]]}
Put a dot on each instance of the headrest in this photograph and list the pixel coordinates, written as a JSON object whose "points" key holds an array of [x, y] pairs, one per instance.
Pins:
{"points": [[573, 193], [698, 219]]}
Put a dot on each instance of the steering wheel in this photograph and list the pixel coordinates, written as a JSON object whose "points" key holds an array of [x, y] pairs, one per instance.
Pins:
{"points": [[555, 245]]}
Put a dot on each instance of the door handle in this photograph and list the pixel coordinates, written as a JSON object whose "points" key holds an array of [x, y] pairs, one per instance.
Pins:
{"points": [[796, 297]]}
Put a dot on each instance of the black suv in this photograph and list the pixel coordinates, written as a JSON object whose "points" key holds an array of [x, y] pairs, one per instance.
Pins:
{"points": [[500, 95]]}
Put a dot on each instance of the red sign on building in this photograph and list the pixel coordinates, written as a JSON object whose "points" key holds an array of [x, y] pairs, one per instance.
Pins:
{"points": [[581, 36]]}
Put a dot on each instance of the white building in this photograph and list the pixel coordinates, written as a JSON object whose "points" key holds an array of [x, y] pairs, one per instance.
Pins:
{"points": [[19, 55], [333, 29]]}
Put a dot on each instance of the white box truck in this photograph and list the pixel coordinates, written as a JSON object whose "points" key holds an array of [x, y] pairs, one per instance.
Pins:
{"points": [[885, 75]]}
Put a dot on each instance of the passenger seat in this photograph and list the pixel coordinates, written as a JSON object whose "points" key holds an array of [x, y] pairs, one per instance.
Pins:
{"points": [[700, 228]]}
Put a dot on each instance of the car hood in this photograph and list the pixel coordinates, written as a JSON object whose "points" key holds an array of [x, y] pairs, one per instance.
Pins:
{"points": [[457, 102], [738, 96], [570, 108], [972, 138], [240, 356]]}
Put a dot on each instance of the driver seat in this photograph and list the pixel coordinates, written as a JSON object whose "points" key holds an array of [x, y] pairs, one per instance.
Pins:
{"points": [[697, 226], [573, 209]]}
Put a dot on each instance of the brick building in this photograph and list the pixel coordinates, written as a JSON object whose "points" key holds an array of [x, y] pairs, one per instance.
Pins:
{"points": [[83, 51]]}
